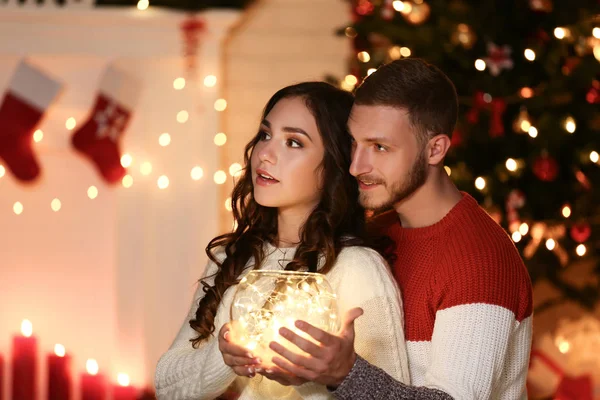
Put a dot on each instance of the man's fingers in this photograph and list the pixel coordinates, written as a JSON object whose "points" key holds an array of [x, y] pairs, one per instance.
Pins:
{"points": [[348, 322], [303, 344], [294, 369], [320, 335]]}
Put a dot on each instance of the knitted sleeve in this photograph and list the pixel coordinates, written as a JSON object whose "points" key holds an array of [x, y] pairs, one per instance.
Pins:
{"points": [[184, 372], [367, 382]]}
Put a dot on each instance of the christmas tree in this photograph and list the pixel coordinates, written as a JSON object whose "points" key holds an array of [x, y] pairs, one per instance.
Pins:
{"points": [[527, 143]]}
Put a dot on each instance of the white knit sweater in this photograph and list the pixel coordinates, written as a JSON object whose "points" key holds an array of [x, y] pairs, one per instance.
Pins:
{"points": [[360, 278]]}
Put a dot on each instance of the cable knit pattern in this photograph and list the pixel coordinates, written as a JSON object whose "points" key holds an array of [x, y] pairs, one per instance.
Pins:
{"points": [[468, 306], [360, 278]]}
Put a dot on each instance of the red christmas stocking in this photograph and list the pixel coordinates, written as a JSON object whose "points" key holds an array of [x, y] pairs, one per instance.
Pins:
{"points": [[99, 138], [30, 93]]}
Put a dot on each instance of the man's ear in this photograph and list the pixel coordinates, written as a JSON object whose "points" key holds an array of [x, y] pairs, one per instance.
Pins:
{"points": [[437, 148]]}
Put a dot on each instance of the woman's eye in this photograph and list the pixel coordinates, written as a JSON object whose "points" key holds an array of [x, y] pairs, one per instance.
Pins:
{"points": [[264, 135], [294, 143]]}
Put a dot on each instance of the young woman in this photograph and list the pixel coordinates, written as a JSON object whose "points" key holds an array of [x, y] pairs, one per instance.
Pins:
{"points": [[296, 208]]}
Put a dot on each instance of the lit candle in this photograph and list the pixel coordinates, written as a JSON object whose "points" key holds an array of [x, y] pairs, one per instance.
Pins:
{"points": [[122, 391], [59, 376], [24, 364], [93, 385]]}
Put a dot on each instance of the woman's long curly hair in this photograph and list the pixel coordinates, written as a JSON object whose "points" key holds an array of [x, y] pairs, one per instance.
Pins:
{"points": [[337, 221]]}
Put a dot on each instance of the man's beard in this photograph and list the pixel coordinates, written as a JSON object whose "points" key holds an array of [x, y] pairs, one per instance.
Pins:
{"points": [[416, 177]]}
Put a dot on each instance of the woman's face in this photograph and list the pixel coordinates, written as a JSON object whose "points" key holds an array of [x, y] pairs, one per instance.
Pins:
{"points": [[286, 161]]}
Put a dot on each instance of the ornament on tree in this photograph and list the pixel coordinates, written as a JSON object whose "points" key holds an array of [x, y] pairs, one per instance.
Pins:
{"points": [[362, 8], [540, 231], [192, 29], [582, 179], [497, 106], [457, 137], [541, 5], [498, 58], [545, 168], [522, 123], [387, 10], [464, 36], [570, 64], [418, 13], [100, 136], [514, 201], [580, 232], [593, 95], [30, 93]]}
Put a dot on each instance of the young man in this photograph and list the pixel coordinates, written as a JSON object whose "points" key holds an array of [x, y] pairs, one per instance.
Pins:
{"points": [[467, 294]]}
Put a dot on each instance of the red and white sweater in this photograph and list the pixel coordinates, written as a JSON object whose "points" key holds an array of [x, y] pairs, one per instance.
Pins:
{"points": [[467, 307]]}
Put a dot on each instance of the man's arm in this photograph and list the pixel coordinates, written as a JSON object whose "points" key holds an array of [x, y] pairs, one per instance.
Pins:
{"points": [[367, 381]]}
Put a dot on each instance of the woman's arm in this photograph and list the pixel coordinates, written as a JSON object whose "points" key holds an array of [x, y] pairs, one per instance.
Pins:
{"points": [[184, 372]]}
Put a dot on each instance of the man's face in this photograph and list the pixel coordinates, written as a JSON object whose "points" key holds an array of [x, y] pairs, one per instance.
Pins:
{"points": [[387, 159]]}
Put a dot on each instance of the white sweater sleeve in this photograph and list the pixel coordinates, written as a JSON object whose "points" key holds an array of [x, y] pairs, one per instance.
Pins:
{"points": [[184, 372], [361, 278]]}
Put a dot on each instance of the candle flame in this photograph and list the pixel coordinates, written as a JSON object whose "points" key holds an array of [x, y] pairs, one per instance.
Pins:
{"points": [[91, 366], [26, 328], [123, 379], [59, 350]]}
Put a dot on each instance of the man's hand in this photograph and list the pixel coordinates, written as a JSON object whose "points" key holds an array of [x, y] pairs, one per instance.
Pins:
{"points": [[237, 357], [327, 363], [280, 376]]}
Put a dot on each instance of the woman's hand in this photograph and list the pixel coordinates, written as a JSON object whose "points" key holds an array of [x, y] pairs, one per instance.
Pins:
{"points": [[237, 357]]}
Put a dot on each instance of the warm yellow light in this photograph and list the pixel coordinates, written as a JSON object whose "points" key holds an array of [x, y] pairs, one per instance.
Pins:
{"points": [[143, 5], [566, 211], [405, 52], [394, 52], [26, 328], [596, 33], [59, 350], [220, 105], [38, 135], [564, 347], [371, 70], [363, 56], [533, 132], [91, 366], [480, 183], [2, 170], [210, 80], [448, 170], [560, 33], [529, 54], [523, 228], [407, 8], [480, 64], [235, 170], [179, 83], [123, 379], [345, 86], [127, 181], [55, 204], [351, 80], [182, 116], [220, 177], [398, 5], [228, 204], [18, 208], [92, 192], [526, 92], [597, 52], [525, 125], [550, 244], [126, 160], [570, 125], [146, 168], [220, 139], [71, 123], [516, 236], [580, 250], [164, 139], [162, 182], [594, 156], [511, 164]]}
